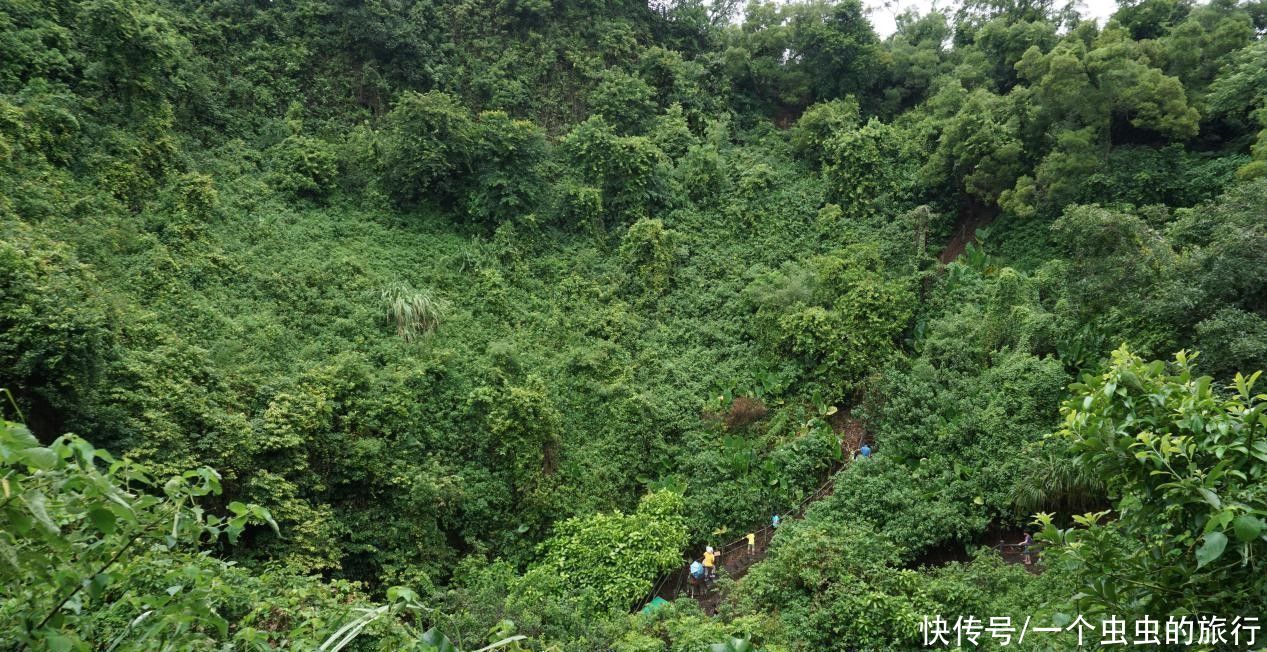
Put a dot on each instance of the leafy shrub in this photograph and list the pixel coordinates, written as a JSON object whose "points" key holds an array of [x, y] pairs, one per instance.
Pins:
{"points": [[703, 173], [840, 317], [1232, 339], [979, 149], [756, 182], [608, 561], [836, 584], [79, 530], [624, 100], [428, 144], [55, 330], [1181, 460], [1171, 176], [820, 123], [629, 170], [304, 166], [870, 170], [581, 205], [671, 132], [521, 434], [508, 181], [650, 253]]}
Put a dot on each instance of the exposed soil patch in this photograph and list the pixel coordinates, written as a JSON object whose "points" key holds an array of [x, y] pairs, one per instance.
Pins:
{"points": [[1003, 539], [972, 217], [743, 411], [851, 433], [735, 559]]}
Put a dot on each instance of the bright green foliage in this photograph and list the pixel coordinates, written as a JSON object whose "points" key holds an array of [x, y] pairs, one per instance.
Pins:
{"points": [[951, 449], [54, 330], [979, 148], [435, 150], [608, 561], [429, 144], [802, 53], [508, 180], [1195, 47], [820, 123], [919, 59], [836, 585], [100, 555], [624, 100], [626, 247], [870, 170], [304, 166], [521, 430], [650, 253], [839, 318], [1237, 95], [1184, 463], [672, 133], [629, 170], [84, 546]]}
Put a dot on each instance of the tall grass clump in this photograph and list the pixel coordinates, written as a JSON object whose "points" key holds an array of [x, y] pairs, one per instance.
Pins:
{"points": [[415, 313]]}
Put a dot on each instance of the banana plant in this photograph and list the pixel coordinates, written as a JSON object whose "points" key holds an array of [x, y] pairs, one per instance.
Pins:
{"points": [[740, 454], [400, 599], [733, 645], [775, 476], [822, 408]]}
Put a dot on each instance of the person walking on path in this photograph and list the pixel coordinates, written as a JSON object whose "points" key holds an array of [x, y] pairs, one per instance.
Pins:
{"points": [[697, 574], [1025, 548], [752, 542], [865, 451], [774, 521], [710, 563]]}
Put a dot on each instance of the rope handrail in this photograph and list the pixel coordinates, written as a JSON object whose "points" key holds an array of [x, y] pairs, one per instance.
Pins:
{"points": [[1014, 547], [796, 510], [831, 477]]}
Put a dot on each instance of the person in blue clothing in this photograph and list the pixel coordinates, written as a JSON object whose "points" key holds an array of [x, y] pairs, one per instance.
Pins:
{"points": [[774, 521], [865, 451], [697, 575]]}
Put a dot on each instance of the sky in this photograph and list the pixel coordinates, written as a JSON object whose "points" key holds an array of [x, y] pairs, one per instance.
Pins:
{"points": [[882, 12]]}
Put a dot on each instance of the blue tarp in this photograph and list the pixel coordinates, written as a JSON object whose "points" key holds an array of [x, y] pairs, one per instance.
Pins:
{"points": [[654, 605]]}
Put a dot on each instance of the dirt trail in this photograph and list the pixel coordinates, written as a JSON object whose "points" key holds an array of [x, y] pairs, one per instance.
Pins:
{"points": [[735, 559], [972, 217]]}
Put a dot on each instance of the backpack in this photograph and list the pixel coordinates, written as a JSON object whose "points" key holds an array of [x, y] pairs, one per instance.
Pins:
{"points": [[697, 569]]}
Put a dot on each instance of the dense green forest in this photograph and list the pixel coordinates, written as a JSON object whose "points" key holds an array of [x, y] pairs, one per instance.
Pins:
{"points": [[422, 325]]}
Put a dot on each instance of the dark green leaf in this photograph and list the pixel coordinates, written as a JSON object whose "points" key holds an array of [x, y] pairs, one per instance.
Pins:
{"points": [[1212, 548], [102, 519], [1248, 527]]}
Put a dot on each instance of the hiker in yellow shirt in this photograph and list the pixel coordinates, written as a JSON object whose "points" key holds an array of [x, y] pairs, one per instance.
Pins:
{"points": [[710, 563], [752, 543]]}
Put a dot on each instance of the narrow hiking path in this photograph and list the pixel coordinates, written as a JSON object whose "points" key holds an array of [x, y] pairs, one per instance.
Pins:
{"points": [[735, 559], [971, 217]]}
